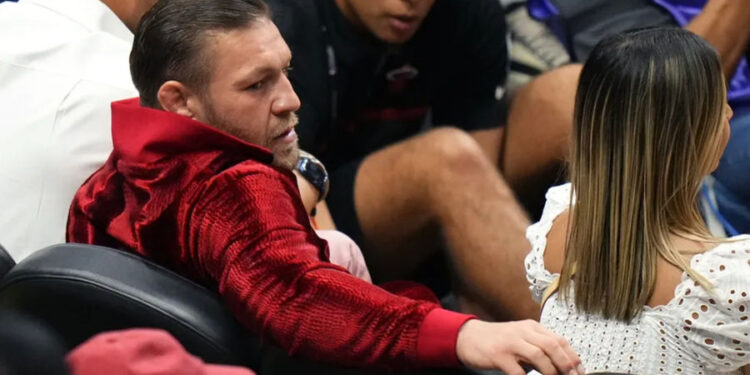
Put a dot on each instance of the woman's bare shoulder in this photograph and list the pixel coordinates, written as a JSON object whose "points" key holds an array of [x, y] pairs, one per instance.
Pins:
{"points": [[554, 253]]}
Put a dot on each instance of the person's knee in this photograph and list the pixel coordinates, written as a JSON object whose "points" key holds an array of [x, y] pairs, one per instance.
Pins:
{"points": [[452, 152], [425, 166]]}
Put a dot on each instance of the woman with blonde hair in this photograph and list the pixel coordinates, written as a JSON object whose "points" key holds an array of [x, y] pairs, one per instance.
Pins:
{"points": [[621, 259]]}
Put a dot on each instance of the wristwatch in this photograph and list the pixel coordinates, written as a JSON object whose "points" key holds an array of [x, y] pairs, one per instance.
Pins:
{"points": [[314, 172]]}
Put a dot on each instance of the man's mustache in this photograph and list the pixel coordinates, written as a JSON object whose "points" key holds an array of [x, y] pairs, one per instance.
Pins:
{"points": [[291, 120], [286, 123]]}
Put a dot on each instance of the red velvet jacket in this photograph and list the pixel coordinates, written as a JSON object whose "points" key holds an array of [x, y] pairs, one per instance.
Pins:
{"points": [[211, 207]]}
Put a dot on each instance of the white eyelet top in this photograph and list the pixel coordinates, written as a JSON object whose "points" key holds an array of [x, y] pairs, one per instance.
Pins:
{"points": [[695, 333]]}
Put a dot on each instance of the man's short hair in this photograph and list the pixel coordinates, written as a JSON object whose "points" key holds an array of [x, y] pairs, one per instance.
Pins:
{"points": [[170, 38]]}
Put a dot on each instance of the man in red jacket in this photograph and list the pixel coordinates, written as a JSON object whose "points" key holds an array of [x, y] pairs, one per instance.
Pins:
{"points": [[219, 204]]}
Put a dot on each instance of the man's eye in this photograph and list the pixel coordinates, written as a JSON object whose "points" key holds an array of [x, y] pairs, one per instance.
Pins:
{"points": [[256, 86]]}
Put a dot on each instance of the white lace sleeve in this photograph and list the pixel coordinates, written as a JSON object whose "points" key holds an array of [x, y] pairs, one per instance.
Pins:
{"points": [[558, 200], [716, 327]]}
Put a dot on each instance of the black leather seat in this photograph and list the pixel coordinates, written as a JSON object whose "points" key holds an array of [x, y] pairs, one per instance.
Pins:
{"points": [[6, 262], [81, 290]]}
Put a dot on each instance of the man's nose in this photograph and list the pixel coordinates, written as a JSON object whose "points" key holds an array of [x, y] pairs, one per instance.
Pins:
{"points": [[287, 100]]}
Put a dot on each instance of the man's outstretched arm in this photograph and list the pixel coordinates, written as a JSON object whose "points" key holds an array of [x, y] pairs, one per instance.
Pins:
{"points": [[250, 235]]}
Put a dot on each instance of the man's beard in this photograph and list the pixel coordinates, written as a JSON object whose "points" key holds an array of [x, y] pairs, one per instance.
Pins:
{"points": [[287, 157], [284, 155]]}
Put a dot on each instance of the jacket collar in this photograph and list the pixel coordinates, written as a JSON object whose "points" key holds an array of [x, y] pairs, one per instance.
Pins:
{"points": [[147, 135]]}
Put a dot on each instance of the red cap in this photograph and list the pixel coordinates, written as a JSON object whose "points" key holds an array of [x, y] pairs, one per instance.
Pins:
{"points": [[140, 352]]}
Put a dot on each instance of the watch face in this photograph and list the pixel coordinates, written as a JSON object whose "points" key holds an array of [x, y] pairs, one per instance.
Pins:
{"points": [[315, 173]]}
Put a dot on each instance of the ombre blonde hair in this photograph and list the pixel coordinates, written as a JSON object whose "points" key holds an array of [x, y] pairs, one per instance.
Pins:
{"points": [[647, 124]]}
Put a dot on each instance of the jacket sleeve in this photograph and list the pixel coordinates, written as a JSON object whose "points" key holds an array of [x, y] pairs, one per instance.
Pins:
{"points": [[248, 232]]}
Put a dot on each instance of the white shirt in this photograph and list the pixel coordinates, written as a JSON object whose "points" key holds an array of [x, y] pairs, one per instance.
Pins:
{"points": [[62, 62], [695, 333]]}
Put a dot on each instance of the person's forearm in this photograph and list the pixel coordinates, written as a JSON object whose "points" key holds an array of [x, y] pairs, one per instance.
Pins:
{"points": [[726, 25], [320, 312], [323, 218], [307, 192]]}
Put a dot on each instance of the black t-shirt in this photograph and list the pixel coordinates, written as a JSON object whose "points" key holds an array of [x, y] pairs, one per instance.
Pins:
{"points": [[447, 74]]}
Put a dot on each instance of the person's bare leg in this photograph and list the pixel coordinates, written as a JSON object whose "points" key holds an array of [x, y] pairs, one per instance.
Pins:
{"points": [[441, 182], [538, 132]]}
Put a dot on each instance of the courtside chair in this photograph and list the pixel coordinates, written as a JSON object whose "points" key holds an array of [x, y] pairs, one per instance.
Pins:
{"points": [[81, 290]]}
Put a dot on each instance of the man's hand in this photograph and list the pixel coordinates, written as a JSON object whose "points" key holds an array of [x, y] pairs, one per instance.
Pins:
{"points": [[501, 346]]}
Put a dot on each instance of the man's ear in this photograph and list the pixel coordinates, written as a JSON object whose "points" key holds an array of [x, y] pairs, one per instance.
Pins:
{"points": [[175, 97]]}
